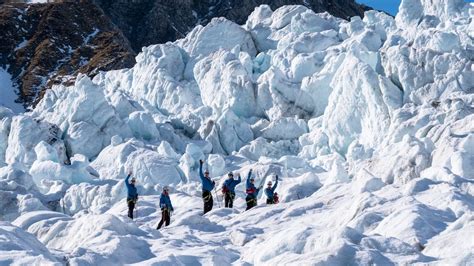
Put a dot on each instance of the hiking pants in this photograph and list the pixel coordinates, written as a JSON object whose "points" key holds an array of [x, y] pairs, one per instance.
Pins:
{"points": [[229, 199], [131, 206], [208, 201], [165, 218], [251, 202]]}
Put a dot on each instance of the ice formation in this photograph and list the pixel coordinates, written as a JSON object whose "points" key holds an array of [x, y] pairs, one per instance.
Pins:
{"points": [[369, 124]]}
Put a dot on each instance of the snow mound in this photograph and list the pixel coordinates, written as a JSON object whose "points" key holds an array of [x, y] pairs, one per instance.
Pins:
{"points": [[47, 166], [18, 247], [220, 33], [19, 193], [455, 234], [91, 239], [149, 166]]}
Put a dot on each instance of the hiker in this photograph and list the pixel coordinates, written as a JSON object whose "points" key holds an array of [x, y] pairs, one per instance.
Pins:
{"points": [[270, 191], [228, 189], [166, 208], [132, 194], [251, 191], [207, 187]]}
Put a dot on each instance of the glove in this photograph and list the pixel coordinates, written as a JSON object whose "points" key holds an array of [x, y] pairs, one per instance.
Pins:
{"points": [[201, 162]]}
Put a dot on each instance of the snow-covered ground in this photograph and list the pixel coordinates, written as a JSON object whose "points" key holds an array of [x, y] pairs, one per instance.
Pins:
{"points": [[369, 124], [7, 93]]}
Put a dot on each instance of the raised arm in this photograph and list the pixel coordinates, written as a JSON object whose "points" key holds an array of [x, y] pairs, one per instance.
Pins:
{"points": [[276, 184], [201, 174], [127, 184]]}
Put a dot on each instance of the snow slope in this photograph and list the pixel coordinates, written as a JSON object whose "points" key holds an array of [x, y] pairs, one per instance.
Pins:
{"points": [[369, 123], [7, 93]]}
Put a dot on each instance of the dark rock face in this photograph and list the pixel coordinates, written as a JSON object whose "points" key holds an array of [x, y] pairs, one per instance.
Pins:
{"points": [[44, 44], [146, 22]]}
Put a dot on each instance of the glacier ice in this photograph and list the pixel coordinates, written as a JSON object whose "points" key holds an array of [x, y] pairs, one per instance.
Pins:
{"points": [[21, 248], [367, 122]]}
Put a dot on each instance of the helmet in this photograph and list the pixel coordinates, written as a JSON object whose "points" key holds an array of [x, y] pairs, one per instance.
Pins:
{"points": [[166, 188], [133, 180], [206, 171], [230, 174], [269, 183]]}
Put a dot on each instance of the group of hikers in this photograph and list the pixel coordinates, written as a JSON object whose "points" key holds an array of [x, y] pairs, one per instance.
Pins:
{"points": [[208, 185]]}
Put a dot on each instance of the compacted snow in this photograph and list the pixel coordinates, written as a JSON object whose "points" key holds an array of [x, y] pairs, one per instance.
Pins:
{"points": [[7, 93], [369, 124]]}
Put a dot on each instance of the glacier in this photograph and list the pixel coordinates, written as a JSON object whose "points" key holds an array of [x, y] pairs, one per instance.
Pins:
{"points": [[369, 123]]}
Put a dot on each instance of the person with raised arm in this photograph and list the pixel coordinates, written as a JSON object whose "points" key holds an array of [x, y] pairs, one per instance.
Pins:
{"points": [[228, 189], [132, 194], [251, 191], [270, 191], [207, 187], [166, 208]]}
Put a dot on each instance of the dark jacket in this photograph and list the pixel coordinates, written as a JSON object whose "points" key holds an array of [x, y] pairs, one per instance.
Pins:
{"points": [[251, 190], [132, 192], [269, 191], [165, 202], [230, 184], [207, 183]]}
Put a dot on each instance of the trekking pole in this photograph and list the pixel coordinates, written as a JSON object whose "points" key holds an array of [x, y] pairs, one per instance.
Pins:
{"points": [[217, 198], [136, 209]]}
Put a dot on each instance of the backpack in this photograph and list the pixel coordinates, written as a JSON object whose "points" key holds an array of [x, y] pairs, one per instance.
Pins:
{"points": [[250, 190], [275, 198], [225, 189]]}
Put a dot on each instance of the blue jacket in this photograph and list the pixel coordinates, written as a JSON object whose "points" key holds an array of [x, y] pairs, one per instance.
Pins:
{"points": [[207, 183], [131, 189], [251, 191], [165, 202], [269, 191], [230, 184]]}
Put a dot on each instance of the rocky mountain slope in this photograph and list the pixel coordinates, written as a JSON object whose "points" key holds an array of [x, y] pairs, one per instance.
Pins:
{"points": [[45, 44]]}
